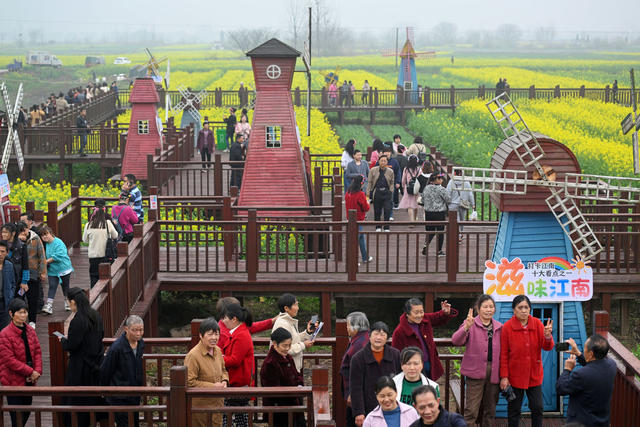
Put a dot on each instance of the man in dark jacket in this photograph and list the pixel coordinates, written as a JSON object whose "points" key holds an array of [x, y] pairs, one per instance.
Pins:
{"points": [[589, 388], [236, 155], [122, 366], [372, 362], [397, 176], [427, 403], [83, 129], [8, 285], [231, 122]]}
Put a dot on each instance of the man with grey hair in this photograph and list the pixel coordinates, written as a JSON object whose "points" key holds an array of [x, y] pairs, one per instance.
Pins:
{"points": [[122, 366], [358, 331]]}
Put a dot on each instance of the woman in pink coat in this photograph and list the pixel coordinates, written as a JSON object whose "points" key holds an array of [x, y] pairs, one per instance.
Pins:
{"points": [[481, 361], [389, 411]]}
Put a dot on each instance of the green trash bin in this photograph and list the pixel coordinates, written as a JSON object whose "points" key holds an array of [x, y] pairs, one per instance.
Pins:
{"points": [[221, 136]]}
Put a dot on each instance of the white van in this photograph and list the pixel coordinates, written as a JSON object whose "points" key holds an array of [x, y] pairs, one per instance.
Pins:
{"points": [[121, 60]]}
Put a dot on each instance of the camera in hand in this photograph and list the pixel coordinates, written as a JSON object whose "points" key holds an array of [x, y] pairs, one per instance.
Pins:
{"points": [[562, 346], [508, 394]]}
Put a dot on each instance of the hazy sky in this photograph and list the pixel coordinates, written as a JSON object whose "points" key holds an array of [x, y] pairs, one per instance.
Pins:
{"points": [[91, 16]]}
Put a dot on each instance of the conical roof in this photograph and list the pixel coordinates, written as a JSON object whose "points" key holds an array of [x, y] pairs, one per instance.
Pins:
{"points": [[273, 48]]}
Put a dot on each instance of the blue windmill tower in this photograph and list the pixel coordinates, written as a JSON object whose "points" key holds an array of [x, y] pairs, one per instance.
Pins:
{"points": [[407, 78], [535, 181]]}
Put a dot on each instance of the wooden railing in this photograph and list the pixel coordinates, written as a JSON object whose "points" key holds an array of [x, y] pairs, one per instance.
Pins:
{"points": [[100, 108], [427, 98], [625, 402]]}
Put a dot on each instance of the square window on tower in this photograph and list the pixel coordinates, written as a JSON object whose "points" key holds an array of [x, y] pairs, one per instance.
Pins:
{"points": [[273, 136], [408, 85], [143, 127]]}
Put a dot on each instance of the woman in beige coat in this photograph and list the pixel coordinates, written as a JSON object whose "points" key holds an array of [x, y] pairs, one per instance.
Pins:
{"points": [[288, 305], [205, 368]]}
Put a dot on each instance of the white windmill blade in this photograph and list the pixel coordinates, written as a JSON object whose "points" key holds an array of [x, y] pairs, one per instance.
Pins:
{"points": [[6, 152], [196, 113], [166, 75], [516, 131], [602, 188], [179, 106], [200, 96], [500, 181], [167, 106], [16, 137], [574, 225]]}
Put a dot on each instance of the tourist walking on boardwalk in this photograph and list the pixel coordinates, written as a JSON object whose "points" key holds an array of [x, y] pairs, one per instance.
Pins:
{"points": [[358, 331], [390, 411], [130, 185], [279, 370], [96, 232], [231, 122], [225, 335], [347, 157], [376, 359], [238, 359], [411, 377], [409, 179], [300, 341], [481, 361], [380, 189], [435, 200], [123, 367], [358, 167], [244, 128], [431, 412], [462, 199], [355, 199], [416, 329], [205, 145], [59, 268], [205, 369], [8, 285], [83, 130], [36, 275], [84, 344], [125, 216], [236, 154], [377, 149], [366, 87], [17, 255], [20, 357], [419, 149], [523, 338], [333, 94]]}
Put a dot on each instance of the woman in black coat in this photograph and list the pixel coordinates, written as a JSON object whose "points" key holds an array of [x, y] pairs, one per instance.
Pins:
{"points": [[84, 344], [279, 370]]}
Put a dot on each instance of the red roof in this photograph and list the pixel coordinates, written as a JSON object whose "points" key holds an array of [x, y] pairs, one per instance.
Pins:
{"points": [[144, 91]]}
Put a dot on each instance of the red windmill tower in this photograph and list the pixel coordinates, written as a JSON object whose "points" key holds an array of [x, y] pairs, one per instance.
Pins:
{"points": [[407, 78], [144, 136], [274, 172]]}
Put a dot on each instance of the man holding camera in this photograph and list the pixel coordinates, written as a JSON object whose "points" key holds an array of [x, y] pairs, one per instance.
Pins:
{"points": [[589, 388]]}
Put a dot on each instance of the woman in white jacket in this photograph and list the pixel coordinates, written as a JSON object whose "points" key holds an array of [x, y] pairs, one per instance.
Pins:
{"points": [[411, 376], [288, 305], [96, 233]]}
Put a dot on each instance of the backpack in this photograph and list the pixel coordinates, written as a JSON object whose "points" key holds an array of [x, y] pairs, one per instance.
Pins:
{"points": [[422, 155], [411, 186], [116, 224]]}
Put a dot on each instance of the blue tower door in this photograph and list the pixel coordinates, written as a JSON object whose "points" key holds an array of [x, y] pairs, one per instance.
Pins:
{"points": [[549, 359]]}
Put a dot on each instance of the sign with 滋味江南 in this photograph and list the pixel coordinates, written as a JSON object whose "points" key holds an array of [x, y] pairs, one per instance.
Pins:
{"points": [[551, 279]]}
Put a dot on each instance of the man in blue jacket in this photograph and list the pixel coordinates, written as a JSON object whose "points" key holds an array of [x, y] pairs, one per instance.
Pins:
{"points": [[8, 285], [122, 366], [589, 388]]}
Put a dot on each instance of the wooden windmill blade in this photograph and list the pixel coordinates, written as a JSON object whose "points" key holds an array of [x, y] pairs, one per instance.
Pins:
{"points": [[514, 128]]}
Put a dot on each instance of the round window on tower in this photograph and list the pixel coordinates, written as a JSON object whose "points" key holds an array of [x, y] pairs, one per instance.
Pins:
{"points": [[273, 71]]}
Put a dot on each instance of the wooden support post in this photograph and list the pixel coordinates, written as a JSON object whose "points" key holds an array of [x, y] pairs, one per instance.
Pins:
{"points": [[606, 302], [195, 332], [296, 96], [337, 228], [339, 400], [427, 97], [429, 305], [452, 246], [452, 97], [582, 91], [481, 92], [600, 322], [317, 186], [253, 246], [375, 97], [352, 245], [217, 175], [325, 307], [178, 412], [532, 92], [229, 237], [341, 117], [624, 317], [52, 216], [372, 116], [607, 93], [556, 91], [151, 176]]}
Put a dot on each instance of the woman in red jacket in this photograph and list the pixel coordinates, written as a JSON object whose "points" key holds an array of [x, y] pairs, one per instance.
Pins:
{"points": [[238, 357], [355, 199], [20, 356], [523, 337], [416, 329]]}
